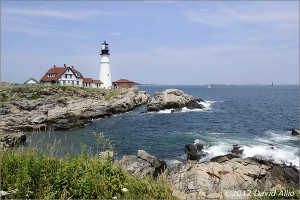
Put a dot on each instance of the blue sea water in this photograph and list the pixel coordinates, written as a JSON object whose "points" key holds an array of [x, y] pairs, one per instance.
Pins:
{"points": [[256, 117]]}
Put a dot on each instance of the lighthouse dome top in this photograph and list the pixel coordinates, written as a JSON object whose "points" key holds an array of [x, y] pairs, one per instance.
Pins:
{"points": [[104, 48], [104, 45]]}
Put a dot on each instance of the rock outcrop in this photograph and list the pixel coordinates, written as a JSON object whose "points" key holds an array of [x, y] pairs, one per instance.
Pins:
{"points": [[173, 99], [12, 140], [295, 132], [194, 151], [216, 180], [143, 164], [237, 150], [61, 108]]}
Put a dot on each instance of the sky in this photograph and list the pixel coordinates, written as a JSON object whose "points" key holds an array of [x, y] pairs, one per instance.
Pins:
{"points": [[154, 42]]}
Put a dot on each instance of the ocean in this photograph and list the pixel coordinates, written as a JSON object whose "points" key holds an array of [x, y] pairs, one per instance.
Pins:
{"points": [[257, 117]]}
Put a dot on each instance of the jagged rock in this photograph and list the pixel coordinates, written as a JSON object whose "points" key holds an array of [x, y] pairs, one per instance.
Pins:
{"points": [[237, 150], [210, 179], [61, 108], [223, 158], [142, 165], [154, 161], [12, 140], [295, 132], [194, 151], [172, 99]]}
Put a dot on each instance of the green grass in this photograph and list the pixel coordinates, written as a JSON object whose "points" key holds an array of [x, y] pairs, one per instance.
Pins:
{"points": [[32, 174], [111, 94], [36, 96]]}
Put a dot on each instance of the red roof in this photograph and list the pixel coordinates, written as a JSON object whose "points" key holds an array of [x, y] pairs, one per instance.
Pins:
{"points": [[123, 81], [87, 80], [97, 81], [75, 71], [58, 72], [90, 80]]}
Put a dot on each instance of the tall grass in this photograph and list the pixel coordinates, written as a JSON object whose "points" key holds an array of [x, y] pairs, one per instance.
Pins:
{"points": [[32, 174]]}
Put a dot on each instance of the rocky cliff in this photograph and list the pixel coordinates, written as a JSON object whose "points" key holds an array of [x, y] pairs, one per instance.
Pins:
{"points": [[173, 99], [61, 108], [221, 178]]}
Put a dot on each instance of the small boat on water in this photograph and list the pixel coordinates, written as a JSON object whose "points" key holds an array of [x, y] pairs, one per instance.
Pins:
{"points": [[209, 86]]}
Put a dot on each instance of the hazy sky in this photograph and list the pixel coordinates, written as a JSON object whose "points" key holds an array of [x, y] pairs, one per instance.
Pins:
{"points": [[170, 42]]}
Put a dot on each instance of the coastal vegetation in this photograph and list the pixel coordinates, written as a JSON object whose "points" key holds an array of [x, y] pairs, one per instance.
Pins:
{"points": [[33, 174], [16, 92]]}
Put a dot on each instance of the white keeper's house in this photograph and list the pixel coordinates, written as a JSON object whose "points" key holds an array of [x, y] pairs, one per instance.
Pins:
{"points": [[68, 76]]}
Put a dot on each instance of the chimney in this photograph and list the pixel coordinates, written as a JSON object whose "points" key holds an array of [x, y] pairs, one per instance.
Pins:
{"points": [[72, 67], [65, 65], [54, 66]]}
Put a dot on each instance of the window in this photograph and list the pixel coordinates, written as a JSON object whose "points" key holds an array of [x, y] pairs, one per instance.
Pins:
{"points": [[70, 75], [64, 82], [66, 75], [77, 82], [107, 74]]}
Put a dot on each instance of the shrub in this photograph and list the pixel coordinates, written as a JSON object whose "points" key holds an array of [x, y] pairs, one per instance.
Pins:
{"points": [[36, 96], [111, 94], [28, 173]]}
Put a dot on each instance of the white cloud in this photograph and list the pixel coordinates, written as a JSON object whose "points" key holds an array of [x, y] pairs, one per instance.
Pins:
{"points": [[115, 33], [256, 12], [53, 13]]}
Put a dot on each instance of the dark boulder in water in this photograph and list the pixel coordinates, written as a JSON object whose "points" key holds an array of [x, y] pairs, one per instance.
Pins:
{"points": [[237, 150], [295, 132], [194, 151]]}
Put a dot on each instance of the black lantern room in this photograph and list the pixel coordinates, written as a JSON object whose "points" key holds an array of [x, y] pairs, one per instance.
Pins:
{"points": [[104, 49]]}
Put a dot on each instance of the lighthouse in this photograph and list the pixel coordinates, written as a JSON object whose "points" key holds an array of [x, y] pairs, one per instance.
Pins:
{"points": [[105, 75]]}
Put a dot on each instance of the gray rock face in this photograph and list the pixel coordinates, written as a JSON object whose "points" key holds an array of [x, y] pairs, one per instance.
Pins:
{"points": [[214, 180], [194, 151], [172, 99], [61, 110], [143, 164], [12, 140]]}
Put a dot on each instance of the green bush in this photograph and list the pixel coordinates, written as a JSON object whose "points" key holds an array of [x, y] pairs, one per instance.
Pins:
{"points": [[111, 94], [36, 96], [33, 174]]}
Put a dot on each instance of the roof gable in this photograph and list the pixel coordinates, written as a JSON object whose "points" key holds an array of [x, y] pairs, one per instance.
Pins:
{"points": [[30, 80], [123, 81], [57, 72]]}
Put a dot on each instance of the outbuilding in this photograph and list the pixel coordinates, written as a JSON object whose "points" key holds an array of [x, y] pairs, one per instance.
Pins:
{"points": [[31, 81], [123, 83]]}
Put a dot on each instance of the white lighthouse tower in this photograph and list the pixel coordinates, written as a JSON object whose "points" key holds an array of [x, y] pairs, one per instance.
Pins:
{"points": [[105, 75]]}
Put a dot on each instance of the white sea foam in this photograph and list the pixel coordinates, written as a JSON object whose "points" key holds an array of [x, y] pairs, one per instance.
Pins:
{"points": [[216, 133], [288, 155], [280, 136], [172, 161], [278, 152], [206, 104]]}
